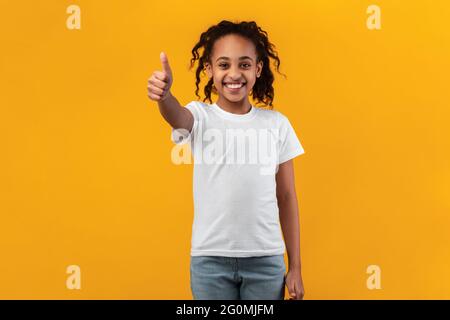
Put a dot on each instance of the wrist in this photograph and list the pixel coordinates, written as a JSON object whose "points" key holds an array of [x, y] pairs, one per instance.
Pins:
{"points": [[167, 96], [295, 266]]}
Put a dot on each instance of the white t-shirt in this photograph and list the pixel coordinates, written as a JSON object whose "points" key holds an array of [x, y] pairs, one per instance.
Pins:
{"points": [[236, 157]]}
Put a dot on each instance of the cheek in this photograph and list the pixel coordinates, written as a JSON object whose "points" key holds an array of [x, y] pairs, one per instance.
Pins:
{"points": [[250, 83], [217, 80]]}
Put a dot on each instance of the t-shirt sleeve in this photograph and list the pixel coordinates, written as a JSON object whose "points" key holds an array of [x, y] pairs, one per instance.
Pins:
{"points": [[289, 144], [180, 135]]}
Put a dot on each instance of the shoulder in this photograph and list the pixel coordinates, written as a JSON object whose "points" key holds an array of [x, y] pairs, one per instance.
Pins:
{"points": [[199, 109], [274, 115], [195, 104]]}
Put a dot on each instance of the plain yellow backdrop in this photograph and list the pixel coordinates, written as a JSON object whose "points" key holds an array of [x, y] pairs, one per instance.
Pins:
{"points": [[85, 170]]}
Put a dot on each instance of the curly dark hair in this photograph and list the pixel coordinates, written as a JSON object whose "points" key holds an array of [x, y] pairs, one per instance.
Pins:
{"points": [[262, 91]]}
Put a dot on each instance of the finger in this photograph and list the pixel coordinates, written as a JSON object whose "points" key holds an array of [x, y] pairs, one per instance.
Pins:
{"points": [[163, 76], [291, 289], [300, 292], [154, 96], [154, 89], [158, 83], [297, 291], [165, 63]]}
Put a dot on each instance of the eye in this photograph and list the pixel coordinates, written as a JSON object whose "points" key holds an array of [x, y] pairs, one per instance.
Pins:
{"points": [[246, 64], [222, 65]]}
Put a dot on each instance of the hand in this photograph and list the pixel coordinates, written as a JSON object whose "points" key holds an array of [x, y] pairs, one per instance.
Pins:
{"points": [[294, 283], [160, 82]]}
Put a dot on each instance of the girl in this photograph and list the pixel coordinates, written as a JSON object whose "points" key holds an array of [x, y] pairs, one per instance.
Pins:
{"points": [[237, 247]]}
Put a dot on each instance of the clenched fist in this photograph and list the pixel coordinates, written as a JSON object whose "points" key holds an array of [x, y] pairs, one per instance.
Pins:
{"points": [[160, 82]]}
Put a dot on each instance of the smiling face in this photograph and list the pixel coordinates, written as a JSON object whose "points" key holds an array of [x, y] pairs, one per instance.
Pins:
{"points": [[233, 68]]}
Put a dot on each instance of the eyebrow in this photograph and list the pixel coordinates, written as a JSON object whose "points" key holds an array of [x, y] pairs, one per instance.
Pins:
{"points": [[241, 58]]}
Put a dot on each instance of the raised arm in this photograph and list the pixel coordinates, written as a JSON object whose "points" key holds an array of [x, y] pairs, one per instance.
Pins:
{"points": [[158, 88]]}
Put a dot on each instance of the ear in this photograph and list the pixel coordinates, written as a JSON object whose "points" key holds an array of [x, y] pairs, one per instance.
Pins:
{"points": [[259, 68], [208, 70]]}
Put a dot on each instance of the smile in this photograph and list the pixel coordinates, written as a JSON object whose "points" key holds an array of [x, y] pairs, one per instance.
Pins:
{"points": [[234, 86]]}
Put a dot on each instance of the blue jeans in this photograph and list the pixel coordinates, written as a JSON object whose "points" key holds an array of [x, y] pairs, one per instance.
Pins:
{"points": [[227, 278]]}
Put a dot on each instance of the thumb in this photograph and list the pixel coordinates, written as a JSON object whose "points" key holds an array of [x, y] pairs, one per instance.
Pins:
{"points": [[291, 290], [165, 63]]}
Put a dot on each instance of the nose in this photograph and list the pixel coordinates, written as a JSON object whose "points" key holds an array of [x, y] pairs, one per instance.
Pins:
{"points": [[234, 73]]}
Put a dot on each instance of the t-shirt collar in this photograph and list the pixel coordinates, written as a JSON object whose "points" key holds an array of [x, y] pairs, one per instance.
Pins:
{"points": [[233, 116]]}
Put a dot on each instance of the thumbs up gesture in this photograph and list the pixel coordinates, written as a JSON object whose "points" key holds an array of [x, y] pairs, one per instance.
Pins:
{"points": [[160, 82]]}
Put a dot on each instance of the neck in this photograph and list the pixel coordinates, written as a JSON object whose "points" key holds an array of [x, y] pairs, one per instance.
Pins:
{"points": [[237, 107]]}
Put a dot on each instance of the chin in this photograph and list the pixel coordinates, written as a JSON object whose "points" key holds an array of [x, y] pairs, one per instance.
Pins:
{"points": [[235, 98]]}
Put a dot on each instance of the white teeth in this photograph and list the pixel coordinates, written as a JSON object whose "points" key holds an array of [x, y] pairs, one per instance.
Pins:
{"points": [[234, 85]]}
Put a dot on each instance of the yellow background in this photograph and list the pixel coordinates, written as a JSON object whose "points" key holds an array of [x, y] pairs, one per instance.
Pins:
{"points": [[85, 170]]}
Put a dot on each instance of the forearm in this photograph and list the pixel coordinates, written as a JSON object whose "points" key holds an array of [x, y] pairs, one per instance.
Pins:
{"points": [[289, 220], [170, 109]]}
